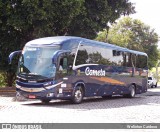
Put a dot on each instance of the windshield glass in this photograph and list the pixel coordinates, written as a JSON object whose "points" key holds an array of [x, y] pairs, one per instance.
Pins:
{"points": [[37, 62]]}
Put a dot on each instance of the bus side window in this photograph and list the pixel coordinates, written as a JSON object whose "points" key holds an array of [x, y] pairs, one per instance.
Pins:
{"points": [[71, 58], [63, 64]]}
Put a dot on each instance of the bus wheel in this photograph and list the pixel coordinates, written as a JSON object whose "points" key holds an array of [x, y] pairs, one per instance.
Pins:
{"points": [[132, 92], [45, 101], [78, 95]]}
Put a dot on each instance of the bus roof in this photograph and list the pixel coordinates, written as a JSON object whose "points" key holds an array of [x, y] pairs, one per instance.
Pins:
{"points": [[51, 40], [58, 40]]}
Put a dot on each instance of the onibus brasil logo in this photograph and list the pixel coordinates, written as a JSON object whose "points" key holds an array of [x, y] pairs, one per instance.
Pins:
{"points": [[90, 72]]}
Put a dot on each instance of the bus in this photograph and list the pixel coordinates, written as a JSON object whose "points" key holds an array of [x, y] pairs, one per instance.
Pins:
{"points": [[71, 68]]}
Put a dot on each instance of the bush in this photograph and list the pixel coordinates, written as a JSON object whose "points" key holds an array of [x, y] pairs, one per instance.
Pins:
{"points": [[2, 82]]}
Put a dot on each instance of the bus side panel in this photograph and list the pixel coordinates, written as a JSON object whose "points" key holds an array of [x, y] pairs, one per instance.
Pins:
{"points": [[116, 80], [98, 85], [90, 85]]}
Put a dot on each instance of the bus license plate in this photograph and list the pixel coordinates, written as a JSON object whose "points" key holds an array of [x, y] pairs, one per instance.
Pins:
{"points": [[32, 96]]}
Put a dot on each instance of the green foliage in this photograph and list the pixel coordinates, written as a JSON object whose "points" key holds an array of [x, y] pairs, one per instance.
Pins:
{"points": [[135, 35], [96, 14], [2, 83], [24, 20]]}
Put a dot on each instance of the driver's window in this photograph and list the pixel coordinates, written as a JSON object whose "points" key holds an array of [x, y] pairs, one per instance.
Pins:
{"points": [[62, 68], [63, 64]]}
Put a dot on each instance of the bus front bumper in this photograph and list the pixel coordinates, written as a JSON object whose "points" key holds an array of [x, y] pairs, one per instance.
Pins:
{"points": [[42, 93]]}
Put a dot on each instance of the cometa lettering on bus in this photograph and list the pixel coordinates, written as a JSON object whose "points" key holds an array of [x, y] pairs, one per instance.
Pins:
{"points": [[90, 72]]}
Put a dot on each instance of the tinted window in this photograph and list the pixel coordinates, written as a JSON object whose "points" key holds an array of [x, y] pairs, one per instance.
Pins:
{"points": [[141, 61], [82, 57], [118, 58], [71, 46], [90, 54], [98, 55], [149, 78]]}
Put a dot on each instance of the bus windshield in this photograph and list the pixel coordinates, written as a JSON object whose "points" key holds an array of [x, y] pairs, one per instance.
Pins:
{"points": [[36, 62]]}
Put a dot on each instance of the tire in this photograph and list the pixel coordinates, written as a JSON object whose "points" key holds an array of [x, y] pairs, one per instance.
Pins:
{"points": [[77, 95], [155, 85], [46, 101], [132, 92], [152, 85]]}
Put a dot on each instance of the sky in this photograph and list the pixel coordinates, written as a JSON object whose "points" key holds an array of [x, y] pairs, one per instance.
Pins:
{"points": [[148, 11]]}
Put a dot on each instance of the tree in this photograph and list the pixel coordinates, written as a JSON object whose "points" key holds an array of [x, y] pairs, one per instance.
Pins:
{"points": [[96, 14], [135, 35], [24, 20]]}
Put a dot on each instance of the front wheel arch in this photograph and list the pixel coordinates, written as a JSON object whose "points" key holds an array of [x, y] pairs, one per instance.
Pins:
{"points": [[82, 85], [78, 94]]}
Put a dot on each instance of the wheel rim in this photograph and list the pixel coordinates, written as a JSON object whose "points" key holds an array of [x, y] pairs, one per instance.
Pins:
{"points": [[78, 95], [132, 92]]}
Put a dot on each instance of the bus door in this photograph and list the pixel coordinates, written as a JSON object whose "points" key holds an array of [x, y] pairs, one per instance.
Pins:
{"points": [[64, 65]]}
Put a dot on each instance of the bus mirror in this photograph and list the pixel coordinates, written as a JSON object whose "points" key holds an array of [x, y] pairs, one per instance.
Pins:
{"points": [[12, 55]]}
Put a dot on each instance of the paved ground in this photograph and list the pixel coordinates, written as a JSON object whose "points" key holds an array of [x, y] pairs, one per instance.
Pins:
{"points": [[144, 108]]}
